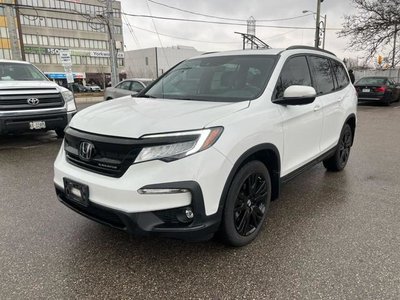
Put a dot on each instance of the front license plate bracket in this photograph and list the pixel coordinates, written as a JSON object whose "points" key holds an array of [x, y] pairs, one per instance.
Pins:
{"points": [[77, 192]]}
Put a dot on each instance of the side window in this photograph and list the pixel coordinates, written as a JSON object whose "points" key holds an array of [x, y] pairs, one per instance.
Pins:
{"points": [[124, 85], [341, 74], [322, 74], [294, 72], [136, 86]]}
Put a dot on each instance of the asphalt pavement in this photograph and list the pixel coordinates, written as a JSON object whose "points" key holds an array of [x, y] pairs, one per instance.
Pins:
{"points": [[329, 236]]}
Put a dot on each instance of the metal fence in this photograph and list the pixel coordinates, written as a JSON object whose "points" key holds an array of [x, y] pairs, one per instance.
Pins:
{"points": [[393, 74]]}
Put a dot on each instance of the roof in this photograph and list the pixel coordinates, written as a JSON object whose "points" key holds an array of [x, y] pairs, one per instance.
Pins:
{"points": [[14, 61], [270, 51]]}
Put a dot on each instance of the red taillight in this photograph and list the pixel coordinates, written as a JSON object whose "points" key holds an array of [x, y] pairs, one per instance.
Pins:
{"points": [[380, 89]]}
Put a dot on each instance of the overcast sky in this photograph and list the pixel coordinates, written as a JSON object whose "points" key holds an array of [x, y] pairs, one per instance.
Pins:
{"points": [[212, 37]]}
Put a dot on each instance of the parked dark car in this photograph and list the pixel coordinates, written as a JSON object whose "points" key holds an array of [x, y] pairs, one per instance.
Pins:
{"points": [[377, 89], [78, 88]]}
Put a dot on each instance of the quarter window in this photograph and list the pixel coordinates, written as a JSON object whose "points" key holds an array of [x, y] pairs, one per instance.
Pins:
{"points": [[341, 74]]}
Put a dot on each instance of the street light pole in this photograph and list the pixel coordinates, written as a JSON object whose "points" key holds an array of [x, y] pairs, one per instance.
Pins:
{"points": [[318, 17]]}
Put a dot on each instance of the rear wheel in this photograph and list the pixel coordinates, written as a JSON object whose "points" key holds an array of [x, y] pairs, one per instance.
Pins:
{"points": [[339, 160], [246, 204]]}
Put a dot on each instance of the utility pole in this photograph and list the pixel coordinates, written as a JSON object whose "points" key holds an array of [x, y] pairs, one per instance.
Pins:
{"points": [[113, 51], [12, 30], [323, 41], [394, 46], [20, 35], [318, 19]]}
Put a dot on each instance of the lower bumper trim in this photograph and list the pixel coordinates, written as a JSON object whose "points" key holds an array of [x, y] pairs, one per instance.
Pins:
{"points": [[148, 223]]}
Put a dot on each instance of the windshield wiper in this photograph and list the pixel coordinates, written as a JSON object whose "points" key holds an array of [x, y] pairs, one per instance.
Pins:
{"points": [[146, 96]]}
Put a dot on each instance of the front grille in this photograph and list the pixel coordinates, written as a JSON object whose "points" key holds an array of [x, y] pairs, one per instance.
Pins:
{"points": [[112, 156], [18, 99]]}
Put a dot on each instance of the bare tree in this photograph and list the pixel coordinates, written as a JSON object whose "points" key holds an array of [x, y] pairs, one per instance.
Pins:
{"points": [[374, 28]]}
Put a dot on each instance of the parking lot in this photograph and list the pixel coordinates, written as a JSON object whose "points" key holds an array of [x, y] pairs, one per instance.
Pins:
{"points": [[329, 236]]}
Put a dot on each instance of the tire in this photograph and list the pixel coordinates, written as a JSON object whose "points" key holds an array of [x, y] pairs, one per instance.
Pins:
{"points": [[60, 133], [246, 207], [339, 160], [388, 100]]}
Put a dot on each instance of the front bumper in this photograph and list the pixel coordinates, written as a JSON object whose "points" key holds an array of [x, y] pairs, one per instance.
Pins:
{"points": [[20, 123], [164, 223]]}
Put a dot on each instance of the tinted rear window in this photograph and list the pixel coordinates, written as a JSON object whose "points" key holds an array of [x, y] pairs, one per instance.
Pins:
{"points": [[322, 72], [372, 81]]}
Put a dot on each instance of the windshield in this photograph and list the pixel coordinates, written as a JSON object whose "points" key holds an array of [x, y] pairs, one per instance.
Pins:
{"points": [[372, 81], [219, 79], [16, 72]]}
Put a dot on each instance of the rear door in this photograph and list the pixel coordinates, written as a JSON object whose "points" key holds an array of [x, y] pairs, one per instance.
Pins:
{"points": [[330, 80], [302, 124]]}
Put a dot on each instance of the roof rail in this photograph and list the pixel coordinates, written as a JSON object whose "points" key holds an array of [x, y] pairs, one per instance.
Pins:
{"points": [[211, 52], [309, 48]]}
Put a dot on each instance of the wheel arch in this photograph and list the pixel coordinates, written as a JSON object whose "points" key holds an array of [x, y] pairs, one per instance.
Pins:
{"points": [[351, 121], [267, 154]]}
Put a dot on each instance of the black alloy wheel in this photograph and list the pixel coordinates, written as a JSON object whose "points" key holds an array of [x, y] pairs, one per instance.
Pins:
{"points": [[249, 207], [339, 160], [247, 204]]}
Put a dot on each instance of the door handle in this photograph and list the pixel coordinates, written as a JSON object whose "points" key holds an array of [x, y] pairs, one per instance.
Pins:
{"points": [[317, 107], [339, 100]]}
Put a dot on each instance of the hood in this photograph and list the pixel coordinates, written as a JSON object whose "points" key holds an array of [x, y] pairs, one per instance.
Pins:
{"points": [[134, 117], [5, 84]]}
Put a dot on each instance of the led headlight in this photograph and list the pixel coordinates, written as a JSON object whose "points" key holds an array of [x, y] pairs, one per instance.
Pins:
{"points": [[69, 100], [197, 140]]}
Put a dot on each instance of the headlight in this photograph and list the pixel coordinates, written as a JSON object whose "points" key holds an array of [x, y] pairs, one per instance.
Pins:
{"points": [[69, 100], [190, 143]]}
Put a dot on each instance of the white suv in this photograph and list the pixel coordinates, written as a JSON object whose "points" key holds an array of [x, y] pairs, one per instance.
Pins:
{"points": [[205, 148]]}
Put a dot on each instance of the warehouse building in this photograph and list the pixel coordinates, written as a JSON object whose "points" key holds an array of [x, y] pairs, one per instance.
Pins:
{"points": [[153, 62]]}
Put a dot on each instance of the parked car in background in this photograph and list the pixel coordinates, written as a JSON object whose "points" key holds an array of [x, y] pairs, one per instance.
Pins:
{"points": [[377, 89], [29, 101], [77, 88], [126, 88], [93, 88], [207, 147]]}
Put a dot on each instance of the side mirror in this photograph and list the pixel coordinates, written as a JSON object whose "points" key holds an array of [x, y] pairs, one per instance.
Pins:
{"points": [[297, 95]]}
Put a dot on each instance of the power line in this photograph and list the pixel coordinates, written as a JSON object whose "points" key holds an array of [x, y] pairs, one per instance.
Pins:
{"points": [[222, 23], [182, 38], [159, 39], [224, 18], [130, 29], [165, 18]]}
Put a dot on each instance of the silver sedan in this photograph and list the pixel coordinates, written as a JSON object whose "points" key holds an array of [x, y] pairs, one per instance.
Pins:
{"points": [[126, 88]]}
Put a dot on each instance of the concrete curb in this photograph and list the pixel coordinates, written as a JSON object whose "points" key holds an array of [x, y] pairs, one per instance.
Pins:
{"points": [[88, 99]]}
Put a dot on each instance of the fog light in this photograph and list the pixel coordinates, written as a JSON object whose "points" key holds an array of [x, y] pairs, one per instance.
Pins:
{"points": [[189, 213], [185, 215]]}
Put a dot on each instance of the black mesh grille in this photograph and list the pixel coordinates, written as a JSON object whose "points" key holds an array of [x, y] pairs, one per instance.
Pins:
{"points": [[111, 156], [48, 98]]}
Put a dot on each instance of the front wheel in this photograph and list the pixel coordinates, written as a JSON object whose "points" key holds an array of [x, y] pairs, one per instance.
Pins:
{"points": [[339, 160], [246, 204]]}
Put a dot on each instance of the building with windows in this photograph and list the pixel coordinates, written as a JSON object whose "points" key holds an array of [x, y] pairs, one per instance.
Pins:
{"points": [[49, 26], [153, 62]]}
